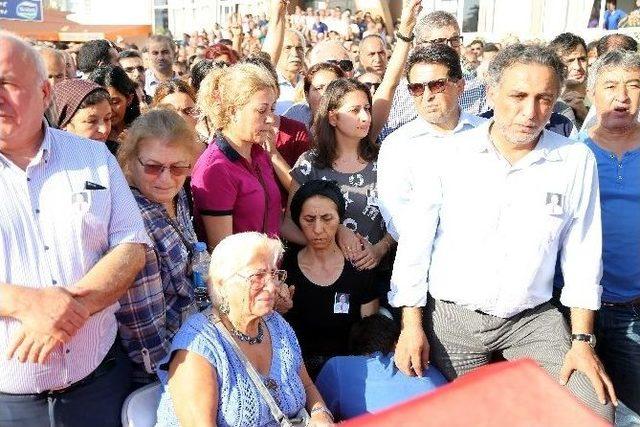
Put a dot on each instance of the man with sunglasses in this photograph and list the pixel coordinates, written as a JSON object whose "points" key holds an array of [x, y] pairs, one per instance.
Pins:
{"points": [[490, 211], [437, 27], [434, 80], [333, 52], [132, 64]]}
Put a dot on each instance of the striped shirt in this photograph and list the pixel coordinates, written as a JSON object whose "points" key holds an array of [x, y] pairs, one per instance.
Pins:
{"points": [[161, 298], [58, 218]]}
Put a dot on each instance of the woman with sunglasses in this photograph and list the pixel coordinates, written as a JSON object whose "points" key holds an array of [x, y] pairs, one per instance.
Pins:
{"points": [[156, 158], [205, 380]]}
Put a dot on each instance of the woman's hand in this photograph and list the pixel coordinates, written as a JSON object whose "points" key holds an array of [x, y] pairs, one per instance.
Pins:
{"points": [[370, 255], [348, 242], [284, 298], [321, 419]]}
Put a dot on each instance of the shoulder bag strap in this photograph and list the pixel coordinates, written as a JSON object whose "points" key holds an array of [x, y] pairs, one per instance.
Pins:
{"points": [[253, 374]]}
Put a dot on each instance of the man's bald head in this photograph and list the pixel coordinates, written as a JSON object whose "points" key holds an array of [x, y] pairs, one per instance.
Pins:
{"points": [[25, 97], [55, 64], [331, 51]]}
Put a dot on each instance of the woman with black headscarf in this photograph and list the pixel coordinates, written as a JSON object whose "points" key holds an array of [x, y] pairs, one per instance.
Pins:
{"points": [[330, 293]]}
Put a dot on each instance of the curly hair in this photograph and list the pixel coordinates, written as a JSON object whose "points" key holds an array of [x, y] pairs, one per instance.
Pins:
{"points": [[165, 89], [225, 90], [220, 49]]}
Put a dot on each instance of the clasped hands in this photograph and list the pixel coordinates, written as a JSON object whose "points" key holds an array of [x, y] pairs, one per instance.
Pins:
{"points": [[49, 317]]}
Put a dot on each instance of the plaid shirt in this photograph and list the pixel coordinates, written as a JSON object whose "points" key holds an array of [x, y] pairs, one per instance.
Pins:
{"points": [[403, 110], [161, 298]]}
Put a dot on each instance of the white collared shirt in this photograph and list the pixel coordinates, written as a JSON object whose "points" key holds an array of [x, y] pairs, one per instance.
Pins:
{"points": [[58, 218], [413, 140], [486, 234]]}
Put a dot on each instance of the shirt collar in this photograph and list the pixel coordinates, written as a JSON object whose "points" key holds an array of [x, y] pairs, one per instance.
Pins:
{"points": [[227, 149], [420, 126], [43, 153], [546, 148]]}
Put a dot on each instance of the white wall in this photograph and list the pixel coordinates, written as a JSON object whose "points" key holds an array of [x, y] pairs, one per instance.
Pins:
{"points": [[114, 12]]}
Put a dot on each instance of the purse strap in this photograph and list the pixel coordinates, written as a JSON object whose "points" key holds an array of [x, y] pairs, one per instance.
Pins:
{"points": [[280, 417]]}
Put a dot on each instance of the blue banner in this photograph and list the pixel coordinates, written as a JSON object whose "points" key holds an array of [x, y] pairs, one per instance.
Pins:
{"points": [[21, 10]]}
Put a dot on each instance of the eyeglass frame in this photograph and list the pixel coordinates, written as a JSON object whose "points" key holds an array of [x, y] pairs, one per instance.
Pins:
{"points": [[271, 273], [451, 41], [428, 84], [183, 170]]}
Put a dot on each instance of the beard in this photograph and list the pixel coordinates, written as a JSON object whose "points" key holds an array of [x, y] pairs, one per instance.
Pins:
{"points": [[518, 138]]}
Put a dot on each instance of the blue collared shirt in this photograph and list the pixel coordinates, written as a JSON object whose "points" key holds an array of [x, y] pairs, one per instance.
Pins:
{"points": [[620, 205]]}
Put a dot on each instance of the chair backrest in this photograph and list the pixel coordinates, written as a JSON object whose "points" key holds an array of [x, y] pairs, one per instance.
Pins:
{"points": [[139, 408]]}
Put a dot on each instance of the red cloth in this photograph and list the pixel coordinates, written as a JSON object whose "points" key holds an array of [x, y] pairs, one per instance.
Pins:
{"points": [[292, 140], [507, 394]]}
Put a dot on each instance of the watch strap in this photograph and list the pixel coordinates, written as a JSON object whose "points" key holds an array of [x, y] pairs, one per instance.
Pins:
{"points": [[588, 338]]}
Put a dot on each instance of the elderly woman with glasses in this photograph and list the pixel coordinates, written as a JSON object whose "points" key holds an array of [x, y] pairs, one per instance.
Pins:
{"points": [[205, 381], [156, 158]]}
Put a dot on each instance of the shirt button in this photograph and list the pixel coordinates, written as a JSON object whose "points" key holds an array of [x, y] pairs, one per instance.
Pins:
{"points": [[28, 179], [67, 351], [37, 211], [54, 282], [46, 248]]}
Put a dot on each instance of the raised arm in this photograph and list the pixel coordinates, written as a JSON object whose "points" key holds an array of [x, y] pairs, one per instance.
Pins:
{"points": [[275, 33], [384, 95]]}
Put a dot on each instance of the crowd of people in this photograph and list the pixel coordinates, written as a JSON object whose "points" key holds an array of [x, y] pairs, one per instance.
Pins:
{"points": [[380, 212]]}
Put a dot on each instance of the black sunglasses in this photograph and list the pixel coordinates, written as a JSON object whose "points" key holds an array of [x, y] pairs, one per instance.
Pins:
{"points": [[453, 41], [345, 64], [435, 86]]}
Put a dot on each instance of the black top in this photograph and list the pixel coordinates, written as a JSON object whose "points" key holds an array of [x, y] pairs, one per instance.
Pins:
{"points": [[322, 316]]}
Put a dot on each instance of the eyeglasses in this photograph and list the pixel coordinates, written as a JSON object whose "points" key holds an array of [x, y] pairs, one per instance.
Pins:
{"points": [[453, 41], [435, 86], [156, 170], [187, 111], [373, 87], [140, 69], [259, 279], [345, 64]]}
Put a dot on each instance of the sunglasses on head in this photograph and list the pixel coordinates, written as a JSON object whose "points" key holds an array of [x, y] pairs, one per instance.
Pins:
{"points": [[453, 41], [345, 64], [140, 69], [435, 86], [156, 170]]}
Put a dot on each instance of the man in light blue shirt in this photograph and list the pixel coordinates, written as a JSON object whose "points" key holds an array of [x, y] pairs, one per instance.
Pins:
{"points": [[615, 141], [434, 78], [612, 16]]}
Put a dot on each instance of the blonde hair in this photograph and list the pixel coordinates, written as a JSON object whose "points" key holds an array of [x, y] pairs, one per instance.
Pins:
{"points": [[226, 90], [237, 251], [160, 123]]}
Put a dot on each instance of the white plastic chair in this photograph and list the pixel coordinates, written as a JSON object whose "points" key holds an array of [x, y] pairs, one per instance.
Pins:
{"points": [[139, 408]]}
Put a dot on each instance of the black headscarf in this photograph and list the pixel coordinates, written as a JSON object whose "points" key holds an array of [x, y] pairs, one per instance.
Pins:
{"points": [[316, 187]]}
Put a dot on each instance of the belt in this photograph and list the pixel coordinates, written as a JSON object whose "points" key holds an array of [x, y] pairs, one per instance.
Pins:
{"points": [[632, 303], [475, 311], [107, 364]]}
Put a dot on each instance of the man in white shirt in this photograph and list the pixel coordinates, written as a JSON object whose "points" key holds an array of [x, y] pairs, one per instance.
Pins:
{"points": [[290, 67], [71, 243], [489, 212], [434, 78], [161, 52]]}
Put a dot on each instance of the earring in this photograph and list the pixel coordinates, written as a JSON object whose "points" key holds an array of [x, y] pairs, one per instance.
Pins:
{"points": [[223, 306]]}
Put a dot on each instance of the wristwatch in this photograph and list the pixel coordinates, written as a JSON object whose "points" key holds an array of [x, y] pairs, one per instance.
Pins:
{"points": [[589, 338], [407, 39]]}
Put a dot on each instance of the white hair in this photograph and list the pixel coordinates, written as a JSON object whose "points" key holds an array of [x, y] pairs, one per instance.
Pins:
{"points": [[30, 53], [237, 251]]}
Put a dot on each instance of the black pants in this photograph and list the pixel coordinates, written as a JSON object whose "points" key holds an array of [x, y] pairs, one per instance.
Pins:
{"points": [[95, 401]]}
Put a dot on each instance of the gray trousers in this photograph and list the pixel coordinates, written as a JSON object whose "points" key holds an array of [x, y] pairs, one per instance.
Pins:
{"points": [[462, 340]]}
